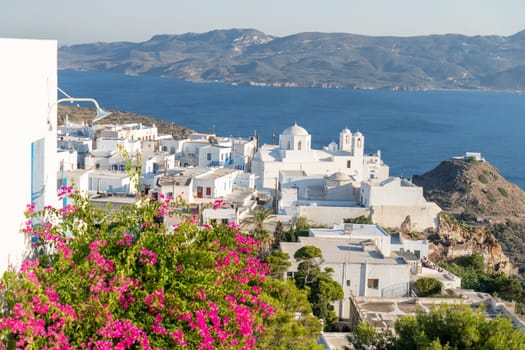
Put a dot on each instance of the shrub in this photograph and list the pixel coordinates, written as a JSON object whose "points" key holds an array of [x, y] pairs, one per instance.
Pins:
{"points": [[120, 279], [503, 192], [427, 286], [358, 220], [483, 179]]}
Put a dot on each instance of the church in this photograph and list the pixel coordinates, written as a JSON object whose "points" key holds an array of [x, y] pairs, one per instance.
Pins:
{"points": [[294, 153]]}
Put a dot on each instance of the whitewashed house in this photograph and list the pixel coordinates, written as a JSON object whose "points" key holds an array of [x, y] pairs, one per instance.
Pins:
{"points": [[393, 200], [214, 155], [28, 95], [79, 179], [111, 182], [132, 131], [216, 183], [243, 151], [362, 261], [67, 160], [81, 145]]}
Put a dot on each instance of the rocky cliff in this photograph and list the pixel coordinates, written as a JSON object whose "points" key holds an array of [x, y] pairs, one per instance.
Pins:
{"points": [[474, 190], [483, 213], [455, 239]]}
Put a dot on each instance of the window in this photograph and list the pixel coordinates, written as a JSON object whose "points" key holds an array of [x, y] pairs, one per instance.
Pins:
{"points": [[208, 191], [373, 283], [299, 145], [289, 274], [208, 156], [224, 221], [348, 283], [348, 163], [358, 142], [37, 173]]}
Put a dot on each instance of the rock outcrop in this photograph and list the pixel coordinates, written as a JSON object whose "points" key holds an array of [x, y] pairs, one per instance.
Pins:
{"points": [[455, 239], [483, 214]]}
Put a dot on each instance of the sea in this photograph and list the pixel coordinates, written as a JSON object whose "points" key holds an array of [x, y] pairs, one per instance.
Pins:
{"points": [[415, 130]]}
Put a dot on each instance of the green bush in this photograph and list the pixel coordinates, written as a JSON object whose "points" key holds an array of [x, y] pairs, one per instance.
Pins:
{"points": [[358, 220], [503, 192], [491, 197], [427, 286], [483, 179]]}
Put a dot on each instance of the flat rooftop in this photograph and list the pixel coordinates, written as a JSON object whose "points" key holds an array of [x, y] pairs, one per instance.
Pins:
{"points": [[334, 340], [109, 174], [349, 230], [216, 173], [383, 312], [346, 250], [295, 173]]}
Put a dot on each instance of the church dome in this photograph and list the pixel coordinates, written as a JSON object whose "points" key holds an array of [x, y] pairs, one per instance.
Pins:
{"points": [[346, 131], [295, 130], [357, 134]]}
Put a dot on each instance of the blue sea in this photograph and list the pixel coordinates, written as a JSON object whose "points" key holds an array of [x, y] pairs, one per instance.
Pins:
{"points": [[415, 131]]}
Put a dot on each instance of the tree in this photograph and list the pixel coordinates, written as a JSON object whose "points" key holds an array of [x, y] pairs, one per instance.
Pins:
{"points": [[293, 324], [310, 258], [474, 275], [119, 279], [279, 235], [301, 227], [365, 337], [278, 262], [322, 289], [427, 286], [257, 221], [456, 326]]}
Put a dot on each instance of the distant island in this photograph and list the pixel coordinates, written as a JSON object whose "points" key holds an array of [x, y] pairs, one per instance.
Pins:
{"points": [[326, 60]]}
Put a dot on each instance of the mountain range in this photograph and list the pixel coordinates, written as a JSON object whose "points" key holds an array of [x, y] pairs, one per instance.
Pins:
{"points": [[250, 57]]}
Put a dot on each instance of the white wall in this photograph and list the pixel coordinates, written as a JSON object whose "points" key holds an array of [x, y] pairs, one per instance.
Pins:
{"points": [[328, 216], [102, 182], [67, 160], [28, 92], [422, 216]]}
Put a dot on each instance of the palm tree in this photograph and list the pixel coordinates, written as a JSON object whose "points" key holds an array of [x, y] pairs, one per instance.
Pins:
{"points": [[257, 222]]}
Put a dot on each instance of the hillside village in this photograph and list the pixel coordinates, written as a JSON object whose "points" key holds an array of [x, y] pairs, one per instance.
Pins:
{"points": [[376, 262]]}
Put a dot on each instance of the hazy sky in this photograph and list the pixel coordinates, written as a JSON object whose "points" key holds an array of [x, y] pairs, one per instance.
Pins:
{"points": [[132, 20]]}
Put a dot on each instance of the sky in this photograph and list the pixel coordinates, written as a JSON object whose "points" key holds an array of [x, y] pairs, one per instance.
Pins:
{"points": [[86, 21]]}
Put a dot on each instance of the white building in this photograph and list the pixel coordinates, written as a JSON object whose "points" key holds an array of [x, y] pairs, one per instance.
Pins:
{"points": [[394, 199], [78, 179], [294, 152], [28, 95], [243, 151], [132, 131], [111, 182], [67, 160], [360, 256], [216, 183], [214, 155]]}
